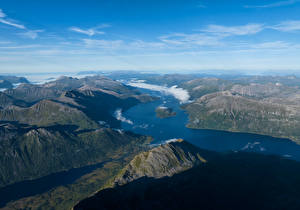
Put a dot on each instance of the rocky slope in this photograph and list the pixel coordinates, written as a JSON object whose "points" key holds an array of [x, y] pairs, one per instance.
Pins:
{"points": [[164, 160]]}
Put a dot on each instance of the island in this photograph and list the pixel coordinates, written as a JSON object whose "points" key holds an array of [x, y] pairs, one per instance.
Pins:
{"points": [[164, 112]]}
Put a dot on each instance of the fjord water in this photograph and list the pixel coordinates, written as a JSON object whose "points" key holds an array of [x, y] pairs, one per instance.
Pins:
{"points": [[145, 122], [37, 186]]}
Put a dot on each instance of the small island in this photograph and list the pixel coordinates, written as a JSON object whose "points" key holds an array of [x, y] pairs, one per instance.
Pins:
{"points": [[164, 112]]}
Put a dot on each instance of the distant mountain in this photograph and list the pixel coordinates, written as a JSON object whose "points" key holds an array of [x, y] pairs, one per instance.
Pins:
{"points": [[69, 101], [202, 86], [223, 181], [47, 113], [14, 79], [225, 111], [34, 93], [235, 105], [5, 84], [8, 82]]}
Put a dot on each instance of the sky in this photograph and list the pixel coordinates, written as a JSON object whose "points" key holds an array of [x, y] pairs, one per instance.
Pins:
{"points": [[250, 36]]}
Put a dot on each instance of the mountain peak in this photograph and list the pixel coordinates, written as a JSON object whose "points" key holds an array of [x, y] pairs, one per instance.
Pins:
{"points": [[164, 160]]}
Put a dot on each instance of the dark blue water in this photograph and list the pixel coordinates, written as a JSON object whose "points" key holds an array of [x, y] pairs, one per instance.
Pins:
{"points": [[34, 187], [145, 122]]}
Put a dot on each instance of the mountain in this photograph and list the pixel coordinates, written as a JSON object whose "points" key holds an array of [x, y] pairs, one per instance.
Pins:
{"points": [[161, 161], [224, 181], [47, 113], [202, 86], [51, 90], [56, 127], [8, 82], [93, 99], [31, 152], [225, 111], [6, 100], [5, 84], [231, 105], [14, 79], [33, 93]]}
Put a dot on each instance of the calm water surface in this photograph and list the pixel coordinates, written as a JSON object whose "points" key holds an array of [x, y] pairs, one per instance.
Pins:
{"points": [[145, 122]]}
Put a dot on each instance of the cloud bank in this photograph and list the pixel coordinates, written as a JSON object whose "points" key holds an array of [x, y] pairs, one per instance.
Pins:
{"points": [[179, 93]]}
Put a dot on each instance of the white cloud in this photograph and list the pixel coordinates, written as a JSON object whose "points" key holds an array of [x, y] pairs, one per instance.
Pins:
{"points": [[96, 43], [272, 45], [19, 47], [143, 44], [120, 117], [190, 40], [11, 23], [287, 26], [179, 93], [32, 34], [5, 42], [91, 31], [2, 14], [234, 30], [212, 35], [275, 4]]}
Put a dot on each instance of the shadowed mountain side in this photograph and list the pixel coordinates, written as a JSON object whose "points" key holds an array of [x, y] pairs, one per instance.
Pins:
{"points": [[232, 181], [98, 105], [6, 100]]}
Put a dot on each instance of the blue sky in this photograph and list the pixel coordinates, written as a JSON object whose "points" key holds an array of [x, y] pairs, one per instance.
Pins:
{"points": [[182, 35]]}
